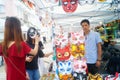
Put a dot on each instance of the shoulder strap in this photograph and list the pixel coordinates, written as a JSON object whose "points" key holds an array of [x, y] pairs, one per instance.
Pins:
{"points": [[10, 44]]}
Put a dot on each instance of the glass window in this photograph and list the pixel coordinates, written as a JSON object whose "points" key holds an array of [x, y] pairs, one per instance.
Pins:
{"points": [[1, 36], [2, 9], [2, 21], [2, 1]]}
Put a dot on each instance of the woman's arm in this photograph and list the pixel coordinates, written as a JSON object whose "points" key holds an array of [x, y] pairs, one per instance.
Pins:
{"points": [[48, 54], [35, 50], [29, 58]]}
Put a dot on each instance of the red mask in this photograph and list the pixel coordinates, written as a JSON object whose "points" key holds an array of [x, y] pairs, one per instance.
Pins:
{"points": [[69, 6], [63, 54]]}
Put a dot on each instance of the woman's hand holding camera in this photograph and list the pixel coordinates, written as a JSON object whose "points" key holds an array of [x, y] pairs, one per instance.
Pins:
{"points": [[37, 40]]}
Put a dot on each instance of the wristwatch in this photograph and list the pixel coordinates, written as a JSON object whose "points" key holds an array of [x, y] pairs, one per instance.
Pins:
{"points": [[99, 60]]}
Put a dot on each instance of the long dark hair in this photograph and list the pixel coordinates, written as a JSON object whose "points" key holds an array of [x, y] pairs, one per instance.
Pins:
{"points": [[12, 32]]}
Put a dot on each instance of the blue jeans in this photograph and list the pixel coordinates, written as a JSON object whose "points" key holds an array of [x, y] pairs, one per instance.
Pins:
{"points": [[34, 74]]}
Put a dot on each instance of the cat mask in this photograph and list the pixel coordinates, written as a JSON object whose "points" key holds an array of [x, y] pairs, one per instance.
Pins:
{"points": [[77, 37], [65, 70], [63, 54], [61, 40], [79, 66], [77, 50]]}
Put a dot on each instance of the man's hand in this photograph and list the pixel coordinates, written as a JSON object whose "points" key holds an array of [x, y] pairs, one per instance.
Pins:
{"points": [[98, 63]]}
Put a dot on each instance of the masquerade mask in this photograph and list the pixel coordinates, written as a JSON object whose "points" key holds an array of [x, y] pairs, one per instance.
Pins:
{"points": [[33, 33], [83, 2], [79, 76], [69, 5], [63, 54], [65, 70], [79, 66], [78, 50], [66, 77], [113, 77], [61, 40], [77, 38], [94, 77]]}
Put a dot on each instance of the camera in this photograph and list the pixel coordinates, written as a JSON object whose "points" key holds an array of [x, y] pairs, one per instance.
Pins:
{"points": [[38, 33]]}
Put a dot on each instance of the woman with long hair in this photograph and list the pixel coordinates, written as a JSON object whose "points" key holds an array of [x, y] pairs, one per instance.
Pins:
{"points": [[14, 49]]}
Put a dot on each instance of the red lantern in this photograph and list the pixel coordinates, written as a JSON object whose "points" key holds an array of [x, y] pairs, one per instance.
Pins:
{"points": [[69, 6]]}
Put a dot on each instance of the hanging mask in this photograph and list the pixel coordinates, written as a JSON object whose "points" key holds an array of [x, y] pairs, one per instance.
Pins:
{"points": [[61, 40], [95, 77], [79, 69], [65, 70], [113, 77], [83, 2], [77, 50], [49, 76], [102, 0], [51, 1], [63, 54], [77, 47], [79, 76], [69, 6], [77, 38], [79, 66]]}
